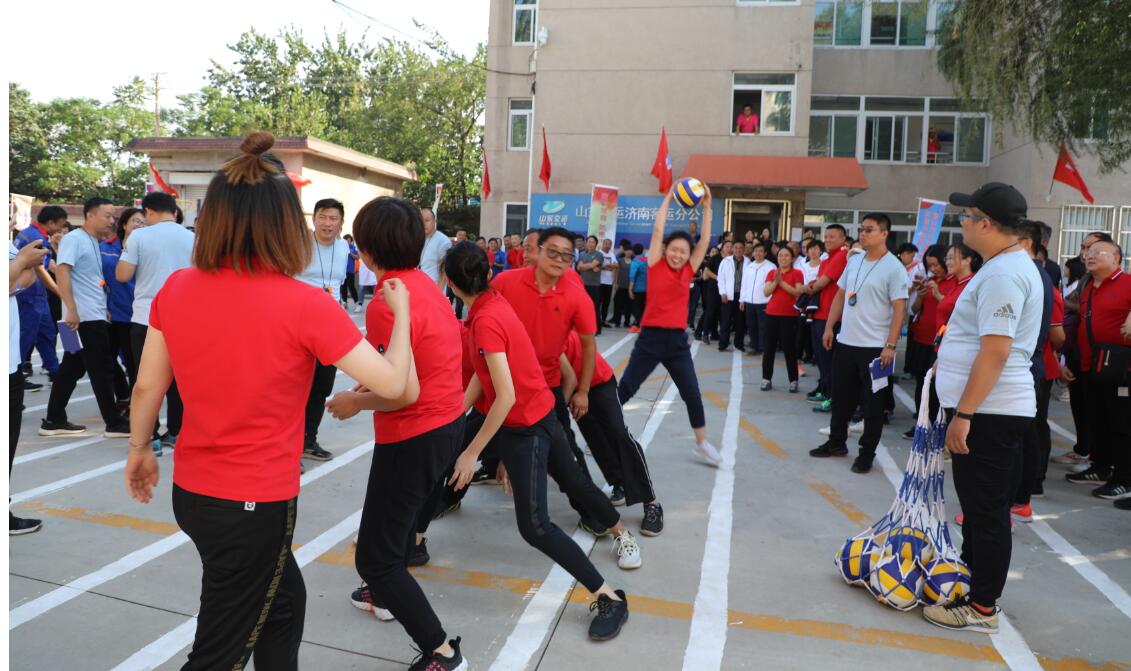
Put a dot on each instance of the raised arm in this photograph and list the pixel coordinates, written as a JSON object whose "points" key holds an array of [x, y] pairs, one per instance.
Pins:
{"points": [[700, 251], [656, 246], [387, 375]]}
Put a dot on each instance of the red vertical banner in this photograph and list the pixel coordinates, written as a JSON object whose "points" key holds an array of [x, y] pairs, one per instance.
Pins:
{"points": [[544, 173]]}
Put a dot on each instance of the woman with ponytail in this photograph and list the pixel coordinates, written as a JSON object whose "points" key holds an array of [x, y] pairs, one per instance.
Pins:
{"points": [[242, 336]]}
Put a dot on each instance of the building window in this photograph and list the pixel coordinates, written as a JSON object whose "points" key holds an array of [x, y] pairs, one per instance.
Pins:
{"points": [[742, 3], [525, 18], [1077, 221], [518, 127], [514, 218], [954, 136], [832, 135], [770, 97], [838, 23], [896, 134]]}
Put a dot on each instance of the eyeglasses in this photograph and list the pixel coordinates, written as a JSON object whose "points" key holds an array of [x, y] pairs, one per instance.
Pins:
{"points": [[556, 254], [971, 217], [1099, 252], [869, 230]]}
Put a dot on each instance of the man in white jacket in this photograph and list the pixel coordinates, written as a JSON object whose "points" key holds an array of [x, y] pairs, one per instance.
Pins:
{"points": [[754, 298], [731, 271]]}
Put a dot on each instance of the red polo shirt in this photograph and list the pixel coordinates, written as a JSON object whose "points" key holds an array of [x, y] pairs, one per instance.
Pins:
{"points": [[494, 327], [668, 293], [436, 349], [781, 301], [516, 258], [602, 372], [1052, 363], [925, 326], [1109, 303], [951, 288], [549, 317], [832, 268], [242, 347]]}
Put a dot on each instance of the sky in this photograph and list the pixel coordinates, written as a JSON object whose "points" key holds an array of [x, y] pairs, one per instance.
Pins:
{"points": [[83, 48]]}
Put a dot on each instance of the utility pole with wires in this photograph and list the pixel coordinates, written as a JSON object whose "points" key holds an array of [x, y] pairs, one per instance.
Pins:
{"points": [[157, 103]]}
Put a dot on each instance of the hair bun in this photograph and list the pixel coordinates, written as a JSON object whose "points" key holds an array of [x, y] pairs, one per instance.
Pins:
{"points": [[257, 142]]}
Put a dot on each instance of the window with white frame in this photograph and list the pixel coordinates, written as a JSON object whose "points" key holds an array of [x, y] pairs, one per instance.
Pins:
{"points": [[518, 126], [1077, 221], [893, 129], [525, 18], [514, 218], [832, 126], [763, 104], [878, 23], [955, 136]]}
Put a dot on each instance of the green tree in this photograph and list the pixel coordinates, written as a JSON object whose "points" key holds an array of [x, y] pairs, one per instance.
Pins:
{"points": [[27, 141], [1056, 69]]}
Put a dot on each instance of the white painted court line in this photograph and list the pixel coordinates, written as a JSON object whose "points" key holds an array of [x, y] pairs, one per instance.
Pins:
{"points": [[74, 399], [537, 618], [60, 595], [160, 651], [50, 452], [51, 487], [1062, 431], [1068, 552], [618, 344], [708, 634]]}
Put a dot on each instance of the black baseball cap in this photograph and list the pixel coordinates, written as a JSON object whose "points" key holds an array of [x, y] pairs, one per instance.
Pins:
{"points": [[1001, 202]]}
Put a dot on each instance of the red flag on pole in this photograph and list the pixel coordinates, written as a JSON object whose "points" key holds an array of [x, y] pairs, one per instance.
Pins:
{"points": [[298, 180], [662, 167], [486, 187], [544, 173], [161, 183], [1066, 173]]}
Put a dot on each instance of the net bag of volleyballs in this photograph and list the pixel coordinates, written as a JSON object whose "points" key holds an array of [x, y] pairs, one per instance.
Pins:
{"points": [[906, 557], [688, 192]]}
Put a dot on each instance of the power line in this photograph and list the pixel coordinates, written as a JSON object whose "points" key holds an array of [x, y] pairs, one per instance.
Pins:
{"points": [[430, 45]]}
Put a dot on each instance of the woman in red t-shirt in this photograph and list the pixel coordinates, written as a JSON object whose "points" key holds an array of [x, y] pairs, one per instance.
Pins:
{"points": [[783, 288], [921, 345], [526, 435], [961, 264], [663, 339], [417, 436], [241, 335]]}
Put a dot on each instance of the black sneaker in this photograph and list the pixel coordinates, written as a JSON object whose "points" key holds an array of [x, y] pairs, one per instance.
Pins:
{"points": [[909, 434], [862, 464], [483, 476], [433, 662], [812, 396], [828, 449], [617, 497], [723, 349], [18, 526], [31, 386], [47, 428], [766, 386], [1113, 491], [653, 524], [117, 430], [313, 450], [363, 599], [592, 527], [1091, 476], [611, 616], [1038, 491], [450, 509], [419, 556]]}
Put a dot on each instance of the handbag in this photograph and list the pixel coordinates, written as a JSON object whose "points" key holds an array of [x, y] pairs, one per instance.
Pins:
{"points": [[1110, 363]]}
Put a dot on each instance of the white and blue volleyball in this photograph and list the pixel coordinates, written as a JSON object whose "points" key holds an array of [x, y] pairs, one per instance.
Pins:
{"points": [[856, 558], [897, 582], [909, 543], [688, 192], [944, 581]]}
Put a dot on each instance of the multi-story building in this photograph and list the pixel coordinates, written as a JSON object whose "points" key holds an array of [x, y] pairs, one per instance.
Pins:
{"points": [[854, 116]]}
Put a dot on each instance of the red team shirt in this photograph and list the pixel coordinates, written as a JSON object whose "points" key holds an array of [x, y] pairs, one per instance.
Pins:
{"points": [[242, 435], [832, 268], [516, 258], [1052, 363], [436, 340], [925, 326], [1110, 302], [549, 317], [951, 288], [602, 372], [668, 292], [492, 327], [781, 302]]}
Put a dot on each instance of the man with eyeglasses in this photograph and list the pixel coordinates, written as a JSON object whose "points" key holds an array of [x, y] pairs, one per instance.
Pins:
{"points": [[870, 303], [985, 384], [1103, 334]]}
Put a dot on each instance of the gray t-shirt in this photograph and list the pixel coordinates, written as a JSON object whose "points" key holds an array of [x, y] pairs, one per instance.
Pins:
{"points": [[1006, 298], [158, 251], [591, 278], [80, 251], [866, 322], [432, 256], [327, 268]]}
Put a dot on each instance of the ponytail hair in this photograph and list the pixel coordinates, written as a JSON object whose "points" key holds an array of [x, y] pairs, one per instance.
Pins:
{"points": [[467, 268]]}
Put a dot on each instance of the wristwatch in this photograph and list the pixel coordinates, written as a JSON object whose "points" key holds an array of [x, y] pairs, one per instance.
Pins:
{"points": [[963, 415], [890, 345]]}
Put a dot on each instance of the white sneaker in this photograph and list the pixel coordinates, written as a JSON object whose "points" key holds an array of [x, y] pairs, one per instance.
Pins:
{"points": [[357, 309], [708, 452], [855, 427], [627, 551]]}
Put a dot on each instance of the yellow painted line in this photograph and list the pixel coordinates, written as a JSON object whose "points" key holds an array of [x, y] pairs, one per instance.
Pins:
{"points": [[846, 508], [666, 608], [755, 433]]}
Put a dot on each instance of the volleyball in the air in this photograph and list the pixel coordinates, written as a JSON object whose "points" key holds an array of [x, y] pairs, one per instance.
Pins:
{"points": [[688, 192], [856, 558], [896, 581], [944, 581], [909, 543]]}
